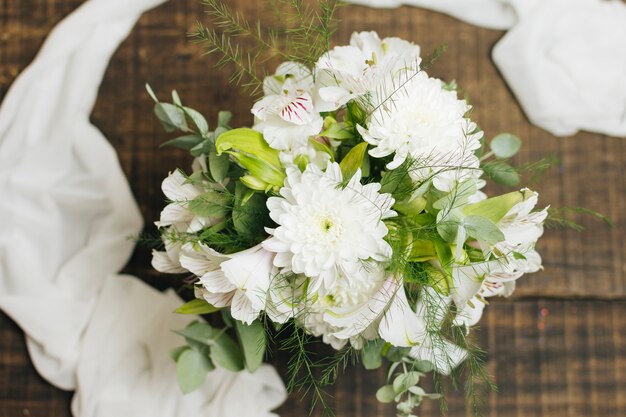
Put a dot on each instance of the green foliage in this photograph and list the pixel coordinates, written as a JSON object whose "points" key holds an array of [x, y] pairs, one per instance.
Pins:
{"points": [[371, 354], [191, 369], [559, 217], [302, 35], [253, 342], [502, 173], [196, 306], [353, 160], [505, 145]]}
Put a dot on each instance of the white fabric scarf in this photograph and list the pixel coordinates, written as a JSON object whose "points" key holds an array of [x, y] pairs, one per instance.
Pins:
{"points": [[66, 213], [565, 60]]}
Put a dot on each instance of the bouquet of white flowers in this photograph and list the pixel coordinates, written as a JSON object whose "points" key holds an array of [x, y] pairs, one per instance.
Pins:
{"points": [[350, 211]]}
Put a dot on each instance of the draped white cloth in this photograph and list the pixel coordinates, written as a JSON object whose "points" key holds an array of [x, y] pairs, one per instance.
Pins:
{"points": [[66, 213], [565, 60]]}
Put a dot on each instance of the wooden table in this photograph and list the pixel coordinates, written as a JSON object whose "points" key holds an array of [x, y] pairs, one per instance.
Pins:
{"points": [[556, 348]]}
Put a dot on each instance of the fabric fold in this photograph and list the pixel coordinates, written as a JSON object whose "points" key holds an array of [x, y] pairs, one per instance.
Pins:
{"points": [[65, 217]]}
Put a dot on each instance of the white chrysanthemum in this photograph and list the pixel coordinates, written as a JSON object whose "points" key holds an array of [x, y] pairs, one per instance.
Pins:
{"points": [[348, 72], [326, 231], [425, 122], [290, 111]]}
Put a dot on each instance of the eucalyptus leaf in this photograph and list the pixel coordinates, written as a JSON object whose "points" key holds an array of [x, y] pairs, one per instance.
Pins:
{"points": [[212, 204], [404, 381], [252, 340], [198, 331], [191, 370], [505, 145], [371, 354], [223, 118], [385, 394], [226, 353], [502, 173], [186, 142], [171, 116], [483, 230], [176, 98], [198, 119], [177, 351], [218, 166], [196, 306], [151, 93]]}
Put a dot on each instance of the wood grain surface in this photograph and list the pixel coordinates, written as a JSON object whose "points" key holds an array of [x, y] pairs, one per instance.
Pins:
{"points": [[556, 348]]}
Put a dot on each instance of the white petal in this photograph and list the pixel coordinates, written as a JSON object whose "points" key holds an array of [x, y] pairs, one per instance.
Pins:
{"points": [[400, 325], [356, 319], [216, 282], [242, 309], [163, 263]]}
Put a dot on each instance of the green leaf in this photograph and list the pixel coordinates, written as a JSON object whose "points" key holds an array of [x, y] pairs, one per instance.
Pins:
{"points": [[371, 354], [213, 204], [248, 141], [198, 331], [412, 207], [505, 145], [250, 213], [223, 118], [385, 394], [171, 116], [502, 173], [335, 130], [218, 166], [151, 93], [422, 250], [191, 370], [259, 168], [252, 340], [176, 352], [448, 224], [483, 230], [197, 119], [395, 354], [495, 208], [403, 382], [176, 98], [457, 197], [353, 160], [186, 142], [196, 306], [320, 147], [226, 353]]}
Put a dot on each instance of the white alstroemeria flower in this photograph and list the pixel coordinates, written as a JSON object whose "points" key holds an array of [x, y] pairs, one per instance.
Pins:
{"points": [[326, 231], [418, 329], [348, 72], [521, 227], [426, 123], [290, 111], [176, 214], [240, 280], [167, 261]]}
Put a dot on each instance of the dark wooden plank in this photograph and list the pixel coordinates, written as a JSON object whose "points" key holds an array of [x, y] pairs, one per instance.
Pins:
{"points": [[568, 363], [549, 358]]}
